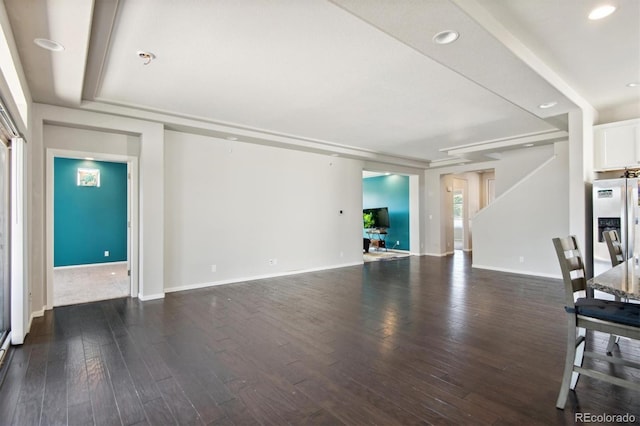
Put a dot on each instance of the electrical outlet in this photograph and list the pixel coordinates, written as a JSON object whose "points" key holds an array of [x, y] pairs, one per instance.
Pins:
{"points": [[521, 259], [397, 243], [106, 253], [214, 268], [273, 262]]}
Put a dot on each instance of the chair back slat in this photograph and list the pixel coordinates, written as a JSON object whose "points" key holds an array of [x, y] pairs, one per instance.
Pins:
{"points": [[571, 265], [614, 245]]}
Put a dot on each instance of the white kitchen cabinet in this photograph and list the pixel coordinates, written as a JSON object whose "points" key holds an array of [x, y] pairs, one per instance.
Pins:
{"points": [[617, 145]]}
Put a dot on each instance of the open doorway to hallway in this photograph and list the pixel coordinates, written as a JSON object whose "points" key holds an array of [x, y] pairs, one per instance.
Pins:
{"points": [[458, 219], [466, 194], [90, 230]]}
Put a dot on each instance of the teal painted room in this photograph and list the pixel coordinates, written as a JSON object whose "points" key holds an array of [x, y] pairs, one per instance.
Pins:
{"points": [[391, 191], [90, 212]]}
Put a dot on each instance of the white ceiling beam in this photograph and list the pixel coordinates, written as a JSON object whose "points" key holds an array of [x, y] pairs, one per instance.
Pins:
{"points": [[500, 32]]}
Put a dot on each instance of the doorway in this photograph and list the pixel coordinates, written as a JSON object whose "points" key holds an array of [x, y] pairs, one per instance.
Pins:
{"points": [[458, 219], [396, 196], [467, 193], [103, 266]]}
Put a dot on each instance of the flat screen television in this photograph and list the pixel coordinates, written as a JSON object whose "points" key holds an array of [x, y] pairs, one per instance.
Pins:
{"points": [[377, 218]]}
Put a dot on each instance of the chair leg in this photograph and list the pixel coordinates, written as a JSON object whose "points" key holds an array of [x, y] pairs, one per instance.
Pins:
{"points": [[569, 361], [579, 357], [613, 339]]}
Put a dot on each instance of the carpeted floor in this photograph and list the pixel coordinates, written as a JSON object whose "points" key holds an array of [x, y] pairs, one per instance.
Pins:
{"points": [[375, 255], [83, 284]]}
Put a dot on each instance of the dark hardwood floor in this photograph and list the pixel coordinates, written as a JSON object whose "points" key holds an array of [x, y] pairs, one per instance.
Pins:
{"points": [[419, 340]]}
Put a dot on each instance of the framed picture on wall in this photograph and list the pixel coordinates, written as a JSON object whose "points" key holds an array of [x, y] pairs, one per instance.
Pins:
{"points": [[89, 177]]}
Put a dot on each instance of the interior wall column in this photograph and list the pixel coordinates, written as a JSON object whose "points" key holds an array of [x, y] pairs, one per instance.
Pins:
{"points": [[580, 181]]}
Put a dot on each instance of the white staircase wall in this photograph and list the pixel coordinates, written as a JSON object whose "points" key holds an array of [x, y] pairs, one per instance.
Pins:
{"points": [[514, 232]]}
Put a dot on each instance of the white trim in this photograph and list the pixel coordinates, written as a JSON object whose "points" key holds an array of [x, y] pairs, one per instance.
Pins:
{"points": [[131, 161], [150, 175], [257, 277], [437, 254], [19, 283], [151, 297], [194, 124], [37, 314], [630, 122], [89, 265], [516, 271]]}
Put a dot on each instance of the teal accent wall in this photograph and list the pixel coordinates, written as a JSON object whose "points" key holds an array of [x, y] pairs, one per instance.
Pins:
{"points": [[89, 220], [392, 192]]}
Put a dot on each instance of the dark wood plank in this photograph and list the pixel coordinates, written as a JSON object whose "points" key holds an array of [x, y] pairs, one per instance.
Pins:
{"points": [[129, 405], [18, 361], [76, 371], [105, 408], [420, 340], [158, 413], [180, 406], [54, 404], [81, 414]]}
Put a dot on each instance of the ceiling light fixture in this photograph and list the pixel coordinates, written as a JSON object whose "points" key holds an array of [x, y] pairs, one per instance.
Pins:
{"points": [[446, 37], [633, 84], [47, 44], [601, 12], [147, 56], [547, 105], [528, 145]]}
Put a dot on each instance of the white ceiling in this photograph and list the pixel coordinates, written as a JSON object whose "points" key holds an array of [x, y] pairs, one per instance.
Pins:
{"points": [[344, 73]]}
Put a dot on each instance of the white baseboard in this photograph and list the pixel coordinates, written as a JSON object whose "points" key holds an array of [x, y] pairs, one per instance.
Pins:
{"points": [[516, 271], [34, 314], [88, 265], [255, 277], [151, 297], [437, 254]]}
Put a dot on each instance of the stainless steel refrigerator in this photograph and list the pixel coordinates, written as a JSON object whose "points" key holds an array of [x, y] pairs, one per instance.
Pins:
{"points": [[615, 206]]}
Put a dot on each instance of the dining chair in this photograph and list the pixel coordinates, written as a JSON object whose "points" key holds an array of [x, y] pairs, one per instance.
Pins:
{"points": [[588, 313], [614, 246]]}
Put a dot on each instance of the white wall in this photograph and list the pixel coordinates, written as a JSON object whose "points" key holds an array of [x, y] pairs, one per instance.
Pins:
{"points": [[237, 205], [73, 142], [517, 164], [514, 232], [91, 141], [149, 137]]}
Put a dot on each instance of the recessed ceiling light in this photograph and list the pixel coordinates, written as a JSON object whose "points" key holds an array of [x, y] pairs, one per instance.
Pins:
{"points": [[601, 12], [446, 37], [633, 84], [47, 44], [232, 138], [89, 158], [548, 105], [528, 145], [387, 174]]}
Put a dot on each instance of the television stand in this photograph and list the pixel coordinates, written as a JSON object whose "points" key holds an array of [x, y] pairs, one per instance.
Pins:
{"points": [[378, 238]]}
